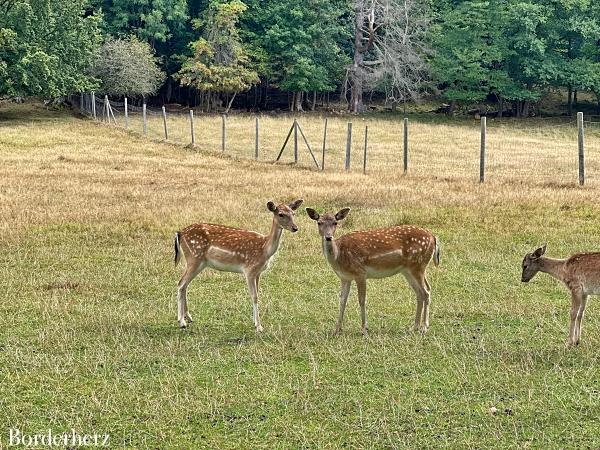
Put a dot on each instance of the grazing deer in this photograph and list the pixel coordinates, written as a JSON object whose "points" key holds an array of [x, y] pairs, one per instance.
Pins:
{"points": [[378, 253], [230, 250], [580, 273]]}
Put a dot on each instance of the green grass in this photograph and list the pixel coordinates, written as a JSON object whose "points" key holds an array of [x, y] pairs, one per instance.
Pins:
{"points": [[89, 340]]}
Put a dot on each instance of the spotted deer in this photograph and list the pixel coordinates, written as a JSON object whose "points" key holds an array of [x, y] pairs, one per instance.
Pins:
{"points": [[378, 253], [230, 250], [580, 273]]}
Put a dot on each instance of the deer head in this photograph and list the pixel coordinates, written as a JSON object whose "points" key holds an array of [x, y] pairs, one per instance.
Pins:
{"points": [[327, 222], [283, 214], [532, 263]]}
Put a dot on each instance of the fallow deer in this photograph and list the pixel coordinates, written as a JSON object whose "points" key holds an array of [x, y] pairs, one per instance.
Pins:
{"points": [[378, 253], [580, 273], [230, 250]]}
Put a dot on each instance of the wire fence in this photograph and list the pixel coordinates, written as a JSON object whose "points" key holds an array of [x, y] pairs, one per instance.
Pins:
{"points": [[544, 150]]}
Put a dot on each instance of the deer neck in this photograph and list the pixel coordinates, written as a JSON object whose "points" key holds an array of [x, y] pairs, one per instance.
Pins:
{"points": [[273, 239], [331, 251], [553, 267]]}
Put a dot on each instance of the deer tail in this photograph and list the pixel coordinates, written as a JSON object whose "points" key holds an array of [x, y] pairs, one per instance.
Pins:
{"points": [[436, 252], [177, 248]]}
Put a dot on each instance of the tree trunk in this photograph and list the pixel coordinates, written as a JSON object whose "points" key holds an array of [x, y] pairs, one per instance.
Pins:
{"points": [[230, 102], [314, 102], [526, 104], [500, 106], [169, 89], [356, 73], [297, 103], [452, 107], [575, 98], [570, 101]]}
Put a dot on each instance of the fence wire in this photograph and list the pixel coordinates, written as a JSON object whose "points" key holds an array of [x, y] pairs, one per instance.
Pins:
{"points": [[543, 150]]}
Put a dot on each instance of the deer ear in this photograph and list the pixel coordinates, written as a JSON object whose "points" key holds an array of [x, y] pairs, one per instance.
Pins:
{"points": [[342, 213], [295, 204], [271, 207], [312, 214], [540, 251]]}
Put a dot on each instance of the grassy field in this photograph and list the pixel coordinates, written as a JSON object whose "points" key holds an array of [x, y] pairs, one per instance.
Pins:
{"points": [[89, 340]]}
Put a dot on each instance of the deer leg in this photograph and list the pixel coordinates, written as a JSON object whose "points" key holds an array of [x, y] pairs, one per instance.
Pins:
{"points": [[418, 283], [252, 281], [344, 292], [426, 301], [576, 300], [191, 271], [361, 285], [580, 314]]}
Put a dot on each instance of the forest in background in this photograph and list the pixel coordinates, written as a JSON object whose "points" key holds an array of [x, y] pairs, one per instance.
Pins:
{"points": [[298, 54]]}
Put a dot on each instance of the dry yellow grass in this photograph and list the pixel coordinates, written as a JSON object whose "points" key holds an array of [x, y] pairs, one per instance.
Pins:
{"points": [[88, 335]]}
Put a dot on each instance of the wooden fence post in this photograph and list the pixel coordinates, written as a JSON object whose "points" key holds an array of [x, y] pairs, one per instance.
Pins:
{"points": [[580, 142], [81, 102], [405, 144], [222, 132], [324, 142], [348, 145], [482, 150], [94, 105], [105, 109], [126, 115], [145, 118], [295, 141], [164, 114], [365, 155], [256, 139], [192, 127]]}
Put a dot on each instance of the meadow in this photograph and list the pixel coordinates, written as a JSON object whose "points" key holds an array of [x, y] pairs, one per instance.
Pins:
{"points": [[88, 333]]}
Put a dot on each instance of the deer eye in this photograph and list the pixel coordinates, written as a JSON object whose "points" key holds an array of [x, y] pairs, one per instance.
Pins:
{"points": [[335, 223], [319, 223]]}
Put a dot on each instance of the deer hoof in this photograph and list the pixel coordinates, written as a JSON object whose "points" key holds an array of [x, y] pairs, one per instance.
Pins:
{"points": [[569, 344], [189, 317], [424, 329], [259, 329], [365, 331], [182, 324]]}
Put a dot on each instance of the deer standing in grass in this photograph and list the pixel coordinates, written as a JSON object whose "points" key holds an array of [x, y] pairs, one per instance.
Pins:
{"points": [[580, 273], [230, 250], [378, 253]]}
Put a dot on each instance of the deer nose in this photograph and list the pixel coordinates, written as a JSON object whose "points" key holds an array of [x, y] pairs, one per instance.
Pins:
{"points": [[328, 238], [294, 228]]}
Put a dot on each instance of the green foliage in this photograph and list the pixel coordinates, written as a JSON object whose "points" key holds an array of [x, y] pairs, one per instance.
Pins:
{"points": [[45, 47], [127, 67], [220, 62], [515, 49], [302, 39]]}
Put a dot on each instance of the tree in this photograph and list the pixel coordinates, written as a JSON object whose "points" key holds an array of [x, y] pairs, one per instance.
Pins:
{"points": [[127, 67], [45, 47], [164, 24], [389, 46], [220, 63], [302, 39], [399, 67]]}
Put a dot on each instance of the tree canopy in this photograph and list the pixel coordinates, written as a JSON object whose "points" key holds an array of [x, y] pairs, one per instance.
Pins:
{"points": [[463, 51]]}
